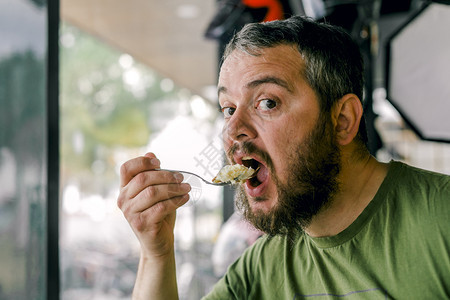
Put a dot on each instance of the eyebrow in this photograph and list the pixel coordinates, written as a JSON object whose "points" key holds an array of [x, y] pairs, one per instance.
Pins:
{"points": [[270, 79], [255, 83], [221, 89]]}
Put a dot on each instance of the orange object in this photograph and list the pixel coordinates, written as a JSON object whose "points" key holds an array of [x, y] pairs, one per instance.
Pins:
{"points": [[274, 12]]}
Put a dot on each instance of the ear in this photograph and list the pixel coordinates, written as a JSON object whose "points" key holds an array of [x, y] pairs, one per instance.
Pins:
{"points": [[347, 115]]}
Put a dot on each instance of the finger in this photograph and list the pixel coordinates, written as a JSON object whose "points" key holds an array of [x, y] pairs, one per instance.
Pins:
{"points": [[135, 166], [149, 178], [150, 155], [152, 195], [162, 209]]}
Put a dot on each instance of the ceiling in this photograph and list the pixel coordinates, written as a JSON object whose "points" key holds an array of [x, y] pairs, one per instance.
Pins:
{"points": [[165, 35]]}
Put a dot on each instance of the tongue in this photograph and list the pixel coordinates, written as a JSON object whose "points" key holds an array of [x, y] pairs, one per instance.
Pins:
{"points": [[262, 173]]}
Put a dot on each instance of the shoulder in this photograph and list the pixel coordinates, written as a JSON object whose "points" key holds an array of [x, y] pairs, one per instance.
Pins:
{"points": [[418, 180], [255, 271], [405, 168], [246, 268], [244, 276], [421, 194], [413, 193], [263, 249]]}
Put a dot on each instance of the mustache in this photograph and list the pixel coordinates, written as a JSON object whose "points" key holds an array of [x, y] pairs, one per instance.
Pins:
{"points": [[250, 148]]}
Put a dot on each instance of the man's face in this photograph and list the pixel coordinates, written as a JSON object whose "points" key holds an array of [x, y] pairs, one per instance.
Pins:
{"points": [[273, 122]]}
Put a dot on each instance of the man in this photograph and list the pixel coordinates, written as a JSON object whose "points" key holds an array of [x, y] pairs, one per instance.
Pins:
{"points": [[338, 222]]}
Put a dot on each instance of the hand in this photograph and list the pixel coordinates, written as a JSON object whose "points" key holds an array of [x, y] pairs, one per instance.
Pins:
{"points": [[148, 199]]}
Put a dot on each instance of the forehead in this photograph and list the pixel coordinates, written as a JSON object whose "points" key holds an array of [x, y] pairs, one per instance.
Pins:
{"points": [[283, 61]]}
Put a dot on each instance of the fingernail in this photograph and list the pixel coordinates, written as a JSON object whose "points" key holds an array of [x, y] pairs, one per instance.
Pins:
{"points": [[185, 187], [155, 161], [178, 177]]}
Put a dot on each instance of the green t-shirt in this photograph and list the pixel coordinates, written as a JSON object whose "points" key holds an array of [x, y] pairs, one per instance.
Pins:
{"points": [[398, 248]]}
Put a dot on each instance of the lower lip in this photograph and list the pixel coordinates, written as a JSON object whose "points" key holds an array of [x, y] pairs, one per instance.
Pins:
{"points": [[257, 191]]}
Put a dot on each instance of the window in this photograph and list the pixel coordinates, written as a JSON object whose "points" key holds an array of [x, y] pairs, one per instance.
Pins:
{"points": [[114, 108]]}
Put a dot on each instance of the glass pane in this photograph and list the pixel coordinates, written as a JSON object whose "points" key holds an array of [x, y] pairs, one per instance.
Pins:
{"points": [[113, 108], [22, 149]]}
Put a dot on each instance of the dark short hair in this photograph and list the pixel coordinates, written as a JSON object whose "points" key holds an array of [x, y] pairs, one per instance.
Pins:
{"points": [[334, 65]]}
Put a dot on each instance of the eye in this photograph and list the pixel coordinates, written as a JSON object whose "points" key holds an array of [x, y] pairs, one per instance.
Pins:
{"points": [[228, 111], [266, 104]]}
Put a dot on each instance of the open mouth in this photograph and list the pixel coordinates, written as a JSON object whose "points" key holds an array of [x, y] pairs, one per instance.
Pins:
{"points": [[260, 174]]}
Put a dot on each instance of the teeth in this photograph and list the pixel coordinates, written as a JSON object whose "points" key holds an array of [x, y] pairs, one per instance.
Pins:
{"points": [[246, 158]]}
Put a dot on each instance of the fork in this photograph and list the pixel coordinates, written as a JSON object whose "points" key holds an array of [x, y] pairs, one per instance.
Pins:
{"points": [[198, 176]]}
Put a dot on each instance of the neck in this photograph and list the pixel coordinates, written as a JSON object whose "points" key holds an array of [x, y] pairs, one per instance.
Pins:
{"points": [[359, 182]]}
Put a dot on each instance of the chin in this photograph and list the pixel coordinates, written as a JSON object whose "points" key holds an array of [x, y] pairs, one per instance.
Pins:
{"points": [[262, 204]]}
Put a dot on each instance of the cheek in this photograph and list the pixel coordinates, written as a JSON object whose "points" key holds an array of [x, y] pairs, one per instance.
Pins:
{"points": [[298, 129], [277, 145], [226, 144], [287, 132], [225, 140], [226, 136], [282, 147]]}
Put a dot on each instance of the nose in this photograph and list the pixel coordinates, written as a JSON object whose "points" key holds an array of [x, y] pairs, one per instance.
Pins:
{"points": [[240, 127]]}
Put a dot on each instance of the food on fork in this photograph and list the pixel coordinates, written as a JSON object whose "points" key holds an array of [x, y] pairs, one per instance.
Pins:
{"points": [[234, 173]]}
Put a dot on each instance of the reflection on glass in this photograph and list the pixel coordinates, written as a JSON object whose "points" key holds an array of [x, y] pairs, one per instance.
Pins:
{"points": [[22, 150]]}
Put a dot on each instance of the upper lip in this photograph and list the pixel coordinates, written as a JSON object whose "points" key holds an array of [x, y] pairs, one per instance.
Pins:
{"points": [[239, 156]]}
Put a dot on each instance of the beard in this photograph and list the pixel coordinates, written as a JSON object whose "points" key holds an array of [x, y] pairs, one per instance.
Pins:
{"points": [[312, 182]]}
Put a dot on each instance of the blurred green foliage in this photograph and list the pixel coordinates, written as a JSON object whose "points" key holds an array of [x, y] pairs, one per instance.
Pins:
{"points": [[107, 102]]}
